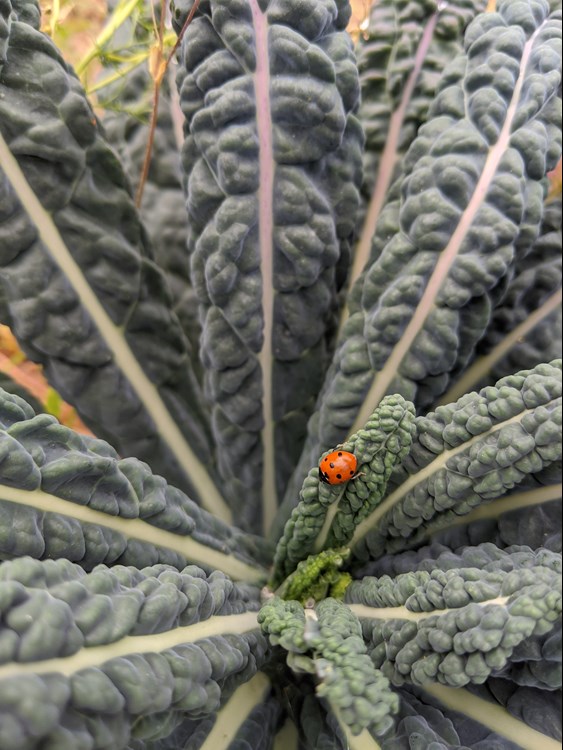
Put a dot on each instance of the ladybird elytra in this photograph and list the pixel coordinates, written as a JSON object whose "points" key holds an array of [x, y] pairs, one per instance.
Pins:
{"points": [[338, 467]]}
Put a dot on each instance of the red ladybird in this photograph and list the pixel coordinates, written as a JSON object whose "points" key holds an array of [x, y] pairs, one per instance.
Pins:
{"points": [[338, 467]]}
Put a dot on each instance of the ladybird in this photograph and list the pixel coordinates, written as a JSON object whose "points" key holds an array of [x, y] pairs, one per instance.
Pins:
{"points": [[338, 467]]}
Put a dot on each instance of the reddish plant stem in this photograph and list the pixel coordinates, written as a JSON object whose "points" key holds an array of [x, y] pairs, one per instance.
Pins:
{"points": [[158, 76], [148, 150], [187, 22]]}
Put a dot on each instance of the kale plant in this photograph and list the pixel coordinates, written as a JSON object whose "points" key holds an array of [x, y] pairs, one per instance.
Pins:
{"points": [[355, 248]]}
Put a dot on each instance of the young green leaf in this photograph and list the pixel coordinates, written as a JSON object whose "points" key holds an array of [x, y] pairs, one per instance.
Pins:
{"points": [[466, 454], [457, 625], [328, 643], [326, 515]]}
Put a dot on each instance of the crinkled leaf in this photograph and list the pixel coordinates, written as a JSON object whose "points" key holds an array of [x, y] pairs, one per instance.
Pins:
{"points": [[467, 207], [178, 639], [254, 731], [175, 696], [404, 39], [466, 454], [327, 515], [424, 723], [456, 626], [272, 158], [71, 496], [330, 637], [401, 55], [535, 525], [12, 386], [95, 311], [537, 278], [163, 207]]}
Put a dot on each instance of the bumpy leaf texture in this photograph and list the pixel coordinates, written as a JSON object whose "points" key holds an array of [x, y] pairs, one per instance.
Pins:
{"points": [[162, 205], [160, 656], [96, 313], [484, 612], [423, 724], [467, 210], [326, 516], [538, 526], [71, 496], [272, 190], [255, 732], [182, 642], [12, 386], [537, 278], [467, 454], [401, 56]]}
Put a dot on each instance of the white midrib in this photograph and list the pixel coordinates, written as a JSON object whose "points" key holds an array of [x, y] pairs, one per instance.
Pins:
{"points": [[287, 737], [265, 238], [439, 462], [383, 379], [332, 509], [495, 509], [95, 656], [493, 716], [113, 337], [402, 613], [362, 741], [235, 712], [136, 528]]}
